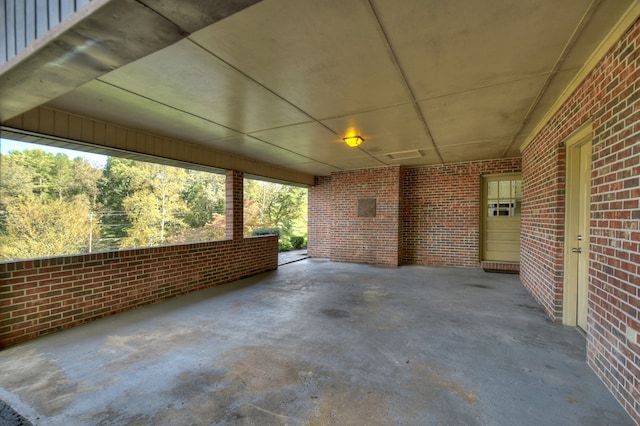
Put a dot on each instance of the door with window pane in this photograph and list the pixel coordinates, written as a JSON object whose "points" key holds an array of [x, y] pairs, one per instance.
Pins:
{"points": [[502, 202]]}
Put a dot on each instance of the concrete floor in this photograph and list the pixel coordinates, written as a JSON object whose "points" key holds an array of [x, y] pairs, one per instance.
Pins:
{"points": [[318, 343]]}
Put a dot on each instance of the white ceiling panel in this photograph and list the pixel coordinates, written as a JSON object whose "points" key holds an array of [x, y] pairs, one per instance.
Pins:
{"points": [[190, 79], [455, 45], [393, 129], [556, 86], [488, 113], [249, 147], [312, 140], [489, 149], [360, 163], [314, 168], [327, 57]]}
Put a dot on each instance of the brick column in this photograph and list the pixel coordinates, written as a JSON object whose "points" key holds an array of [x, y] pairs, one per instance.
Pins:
{"points": [[235, 205]]}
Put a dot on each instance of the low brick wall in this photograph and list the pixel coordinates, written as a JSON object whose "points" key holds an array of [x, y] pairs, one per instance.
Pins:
{"points": [[41, 296]]}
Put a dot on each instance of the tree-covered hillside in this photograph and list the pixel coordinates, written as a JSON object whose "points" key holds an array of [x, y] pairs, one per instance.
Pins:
{"points": [[52, 205]]}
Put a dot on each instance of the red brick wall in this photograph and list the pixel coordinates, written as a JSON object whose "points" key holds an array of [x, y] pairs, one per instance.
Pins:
{"points": [[427, 215], [610, 97], [41, 296], [320, 222], [336, 230], [542, 226], [441, 212]]}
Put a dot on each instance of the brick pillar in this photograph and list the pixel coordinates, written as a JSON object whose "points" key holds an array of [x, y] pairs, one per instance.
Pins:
{"points": [[235, 205]]}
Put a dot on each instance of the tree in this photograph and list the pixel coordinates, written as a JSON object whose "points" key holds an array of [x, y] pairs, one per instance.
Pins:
{"points": [[274, 205], [154, 205], [205, 197], [85, 178], [214, 230], [42, 168], [16, 177], [38, 228], [150, 204], [60, 176], [33, 172], [48, 176], [113, 187], [15, 182], [285, 207]]}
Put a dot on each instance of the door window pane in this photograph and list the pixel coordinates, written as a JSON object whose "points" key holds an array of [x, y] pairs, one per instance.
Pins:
{"points": [[504, 197]]}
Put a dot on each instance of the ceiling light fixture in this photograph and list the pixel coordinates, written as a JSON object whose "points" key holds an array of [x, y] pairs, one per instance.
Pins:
{"points": [[353, 141]]}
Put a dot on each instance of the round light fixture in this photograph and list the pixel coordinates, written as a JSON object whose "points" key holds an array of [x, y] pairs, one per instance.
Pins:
{"points": [[353, 141]]}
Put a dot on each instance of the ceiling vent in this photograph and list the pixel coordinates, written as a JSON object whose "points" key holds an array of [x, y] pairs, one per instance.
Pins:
{"points": [[404, 155]]}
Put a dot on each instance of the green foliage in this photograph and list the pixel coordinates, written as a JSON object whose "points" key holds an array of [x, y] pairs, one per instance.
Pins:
{"points": [[37, 228], [45, 200], [297, 242], [114, 186], [15, 183], [284, 245], [46, 175], [154, 204], [205, 198], [113, 189], [214, 230], [17, 176], [53, 205], [274, 205], [85, 179]]}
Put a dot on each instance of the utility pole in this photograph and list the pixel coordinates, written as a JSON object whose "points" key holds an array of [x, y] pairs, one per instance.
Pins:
{"points": [[90, 232]]}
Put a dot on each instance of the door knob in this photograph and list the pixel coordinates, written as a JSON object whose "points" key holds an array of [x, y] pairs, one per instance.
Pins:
{"points": [[577, 250]]}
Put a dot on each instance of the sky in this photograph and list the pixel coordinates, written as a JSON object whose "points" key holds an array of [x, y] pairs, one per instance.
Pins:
{"points": [[7, 145]]}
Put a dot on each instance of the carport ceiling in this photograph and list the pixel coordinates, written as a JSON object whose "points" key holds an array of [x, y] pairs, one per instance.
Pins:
{"points": [[423, 81]]}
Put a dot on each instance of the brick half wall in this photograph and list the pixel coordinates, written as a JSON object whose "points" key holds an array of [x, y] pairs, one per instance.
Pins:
{"points": [[41, 296]]}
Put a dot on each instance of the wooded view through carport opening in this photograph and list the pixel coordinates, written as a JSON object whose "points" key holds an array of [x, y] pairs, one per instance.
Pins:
{"points": [[58, 202]]}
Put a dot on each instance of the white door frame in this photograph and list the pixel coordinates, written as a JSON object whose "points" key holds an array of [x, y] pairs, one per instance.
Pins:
{"points": [[572, 260]]}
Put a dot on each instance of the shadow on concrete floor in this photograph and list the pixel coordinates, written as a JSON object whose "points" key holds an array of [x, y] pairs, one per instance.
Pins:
{"points": [[317, 343], [9, 417], [286, 257]]}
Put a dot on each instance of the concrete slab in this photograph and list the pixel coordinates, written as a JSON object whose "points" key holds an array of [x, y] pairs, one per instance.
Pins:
{"points": [[318, 343]]}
